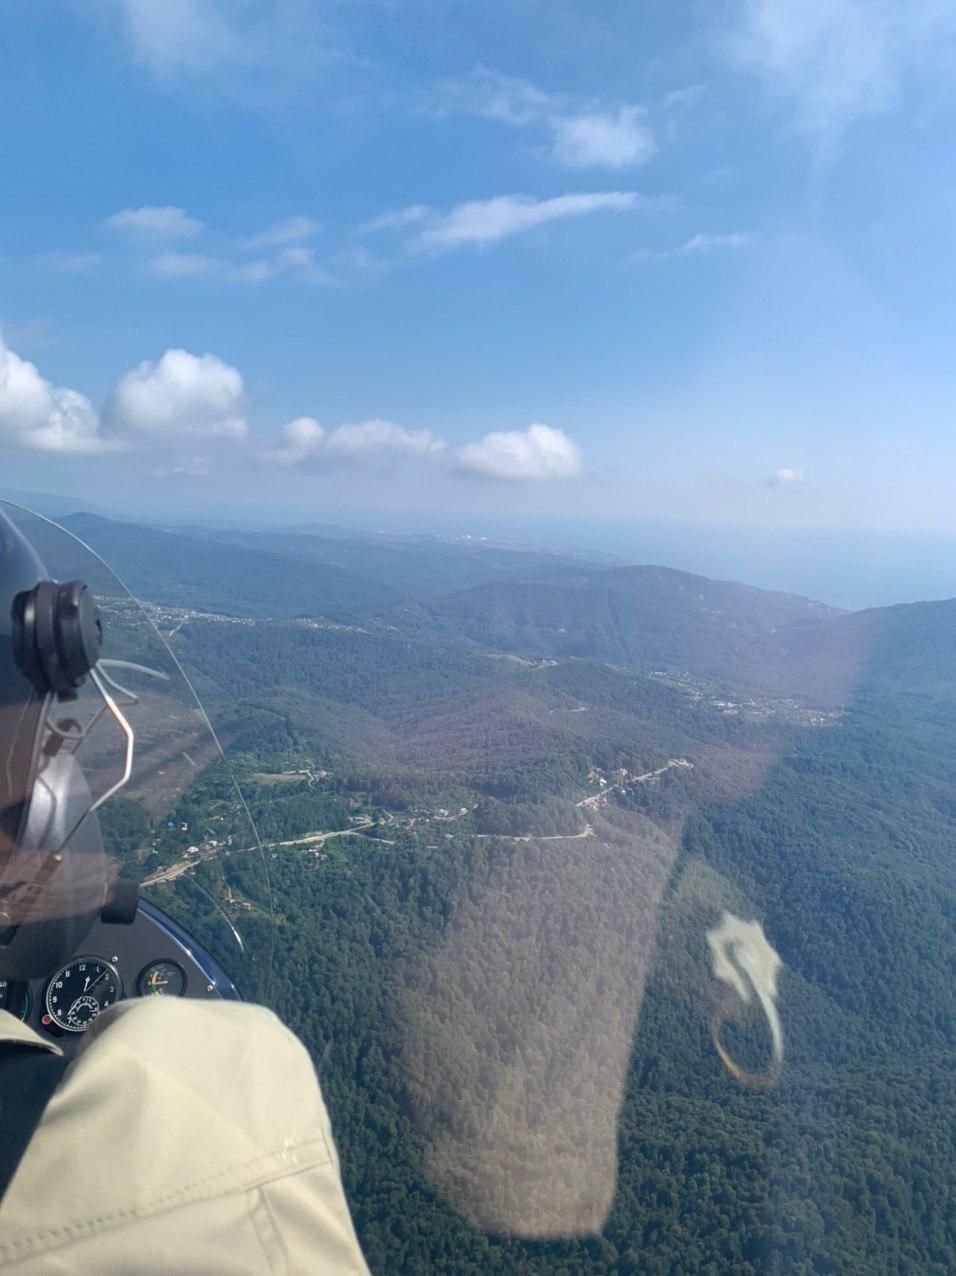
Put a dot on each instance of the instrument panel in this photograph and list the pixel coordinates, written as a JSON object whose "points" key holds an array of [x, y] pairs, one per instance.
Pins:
{"points": [[152, 957]]}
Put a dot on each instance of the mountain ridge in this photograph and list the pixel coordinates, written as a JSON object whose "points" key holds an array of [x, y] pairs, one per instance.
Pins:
{"points": [[541, 606]]}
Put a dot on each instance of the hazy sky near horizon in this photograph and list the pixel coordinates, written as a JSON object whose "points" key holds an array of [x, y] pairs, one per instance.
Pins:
{"points": [[675, 262]]}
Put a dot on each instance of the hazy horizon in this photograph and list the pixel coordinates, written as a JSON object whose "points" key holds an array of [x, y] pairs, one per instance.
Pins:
{"points": [[849, 569]]}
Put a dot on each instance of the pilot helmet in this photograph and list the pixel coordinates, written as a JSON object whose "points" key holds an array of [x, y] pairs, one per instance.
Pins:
{"points": [[55, 877]]}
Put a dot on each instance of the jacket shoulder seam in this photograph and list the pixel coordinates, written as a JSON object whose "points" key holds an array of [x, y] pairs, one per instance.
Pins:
{"points": [[306, 1156]]}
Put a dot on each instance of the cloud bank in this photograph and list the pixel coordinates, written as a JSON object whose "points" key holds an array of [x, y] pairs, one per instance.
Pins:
{"points": [[537, 454], [284, 249], [304, 442], [172, 407]]}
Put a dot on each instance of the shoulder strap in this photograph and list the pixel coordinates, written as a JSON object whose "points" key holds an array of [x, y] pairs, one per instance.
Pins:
{"points": [[28, 1078]]}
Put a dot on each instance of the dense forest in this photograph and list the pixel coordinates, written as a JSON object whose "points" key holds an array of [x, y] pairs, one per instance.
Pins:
{"points": [[495, 856], [844, 1165]]}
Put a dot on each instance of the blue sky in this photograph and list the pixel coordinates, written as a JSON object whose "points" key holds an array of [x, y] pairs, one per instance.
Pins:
{"points": [[674, 263]]}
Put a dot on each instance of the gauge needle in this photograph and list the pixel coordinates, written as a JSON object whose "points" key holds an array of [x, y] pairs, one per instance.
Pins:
{"points": [[89, 988]]}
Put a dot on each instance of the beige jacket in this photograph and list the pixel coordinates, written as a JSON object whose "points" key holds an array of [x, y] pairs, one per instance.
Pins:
{"points": [[186, 1137]]}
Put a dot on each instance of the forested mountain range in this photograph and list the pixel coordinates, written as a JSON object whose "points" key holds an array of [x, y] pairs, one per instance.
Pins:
{"points": [[518, 601], [641, 616], [421, 566], [174, 567], [536, 605], [562, 774]]}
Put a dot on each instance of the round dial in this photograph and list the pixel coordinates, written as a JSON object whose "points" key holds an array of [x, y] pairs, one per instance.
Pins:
{"points": [[161, 979], [79, 991]]}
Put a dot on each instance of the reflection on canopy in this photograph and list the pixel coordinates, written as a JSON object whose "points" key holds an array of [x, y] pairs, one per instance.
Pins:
{"points": [[519, 1024]]}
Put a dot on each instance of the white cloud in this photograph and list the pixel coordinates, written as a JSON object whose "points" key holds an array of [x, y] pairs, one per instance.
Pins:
{"points": [[785, 477], [184, 265], [178, 34], [603, 139], [486, 221], [37, 416], [163, 222], [538, 453], [72, 263], [382, 438], [24, 394], [396, 219], [182, 395], [585, 134], [298, 260], [499, 97], [535, 454], [305, 442], [838, 60], [71, 425], [184, 399], [298, 441], [293, 230], [700, 243]]}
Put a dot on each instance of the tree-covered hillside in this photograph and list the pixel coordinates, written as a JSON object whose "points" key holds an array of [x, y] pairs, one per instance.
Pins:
{"points": [[500, 867], [530, 604], [843, 1165], [645, 616], [170, 567], [425, 566]]}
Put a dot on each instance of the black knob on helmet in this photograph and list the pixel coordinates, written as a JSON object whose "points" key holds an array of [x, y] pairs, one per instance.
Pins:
{"points": [[57, 635]]}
